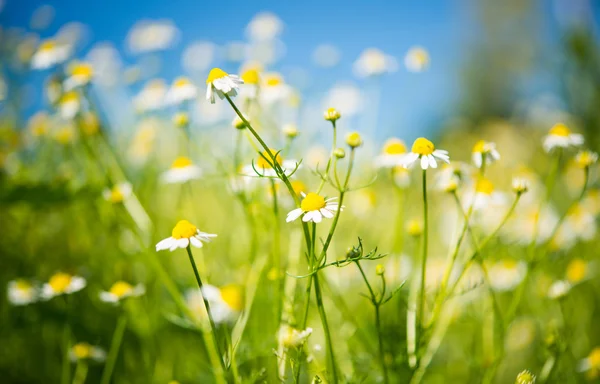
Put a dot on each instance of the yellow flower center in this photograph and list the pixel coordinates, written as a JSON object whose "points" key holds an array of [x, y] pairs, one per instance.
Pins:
{"points": [[509, 263], [422, 146], [214, 74], [484, 186], [116, 196], [594, 358], [585, 159], [232, 295], [560, 130], [47, 45], [184, 230], [64, 135], [60, 282], [181, 119], [264, 160], [91, 124], [181, 162], [312, 202], [69, 97], [394, 147], [273, 80], [82, 70], [23, 285], [121, 288], [479, 147], [82, 350], [298, 187], [250, 76], [576, 270], [181, 82]]}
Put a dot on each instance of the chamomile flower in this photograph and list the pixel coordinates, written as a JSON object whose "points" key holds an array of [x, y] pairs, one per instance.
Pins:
{"points": [[392, 154], [85, 351], [485, 149], [183, 234], [425, 151], [290, 337], [578, 271], [559, 289], [529, 223], [79, 74], [118, 193], [182, 170], [62, 284], [483, 195], [181, 90], [506, 274], [416, 59], [221, 83], [560, 136], [181, 119], [69, 105], [263, 165], [591, 364], [584, 159], [525, 377], [314, 207], [401, 177], [274, 89], [579, 225], [121, 290], [226, 302], [520, 185], [21, 292], [151, 97], [332, 114], [290, 131], [49, 53]]}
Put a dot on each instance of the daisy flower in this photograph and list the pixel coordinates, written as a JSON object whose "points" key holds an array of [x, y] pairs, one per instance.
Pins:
{"points": [[520, 185], [584, 159], [121, 290], [226, 303], [332, 115], [62, 284], [181, 119], [591, 364], [416, 59], [525, 377], [314, 207], [560, 136], [21, 292], [85, 351], [401, 177], [181, 90], [424, 150], [263, 166], [49, 53], [69, 105], [118, 193], [290, 337], [453, 175], [181, 171], [578, 270], [290, 131], [274, 89], [79, 74], [559, 289], [506, 275], [483, 195], [579, 225], [373, 62], [184, 233], [221, 83], [483, 148], [151, 97], [392, 154]]}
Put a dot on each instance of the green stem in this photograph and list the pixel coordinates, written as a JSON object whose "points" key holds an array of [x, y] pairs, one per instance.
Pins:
{"points": [[323, 315], [66, 340], [113, 352], [277, 253], [81, 371], [421, 308], [386, 378]]}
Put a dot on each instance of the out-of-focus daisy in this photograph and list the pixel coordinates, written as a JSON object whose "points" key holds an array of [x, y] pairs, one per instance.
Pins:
{"points": [[453, 175], [221, 83], [332, 114], [39, 124], [520, 185], [401, 177], [525, 377], [21, 292], [49, 53], [65, 134], [183, 234], [314, 207], [483, 195], [252, 80], [483, 148], [578, 270], [90, 124], [424, 150], [62, 284], [79, 74], [506, 274], [181, 171], [121, 290], [263, 165], [559, 289], [392, 154], [85, 351], [118, 193], [274, 89], [373, 62], [181, 90], [299, 187], [290, 337], [529, 222], [579, 224], [264, 26], [151, 35], [151, 97], [181, 119], [584, 159], [69, 105], [414, 227], [226, 302], [560, 136], [290, 131], [591, 364], [416, 59]]}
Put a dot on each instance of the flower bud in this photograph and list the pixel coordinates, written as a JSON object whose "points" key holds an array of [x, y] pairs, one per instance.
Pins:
{"points": [[181, 119], [354, 140], [525, 377], [290, 131], [414, 228], [238, 123], [379, 269], [520, 185], [339, 153], [332, 115]]}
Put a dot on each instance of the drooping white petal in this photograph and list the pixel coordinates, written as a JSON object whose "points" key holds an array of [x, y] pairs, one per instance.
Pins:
{"points": [[294, 214], [316, 216], [164, 244], [432, 162], [195, 242], [108, 297], [326, 212], [424, 162], [77, 284]]}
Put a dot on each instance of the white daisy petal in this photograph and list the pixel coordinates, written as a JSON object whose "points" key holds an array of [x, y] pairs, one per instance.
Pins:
{"points": [[164, 244], [293, 215]]}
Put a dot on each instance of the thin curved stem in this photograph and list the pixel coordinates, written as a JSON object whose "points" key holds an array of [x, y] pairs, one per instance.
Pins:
{"points": [[115, 346]]}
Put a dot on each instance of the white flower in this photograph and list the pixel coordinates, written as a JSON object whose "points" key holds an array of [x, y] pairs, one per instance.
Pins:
{"points": [[559, 289], [151, 97], [425, 151], [21, 292], [314, 207], [151, 35], [61, 284], [225, 303], [264, 26], [181, 171], [560, 136], [79, 75], [528, 224], [483, 196], [506, 274], [50, 53], [85, 351], [118, 193], [483, 148], [69, 105], [274, 89], [416, 59], [579, 225], [184, 233], [221, 83], [181, 90], [373, 62], [520, 185], [392, 154], [121, 290], [291, 337]]}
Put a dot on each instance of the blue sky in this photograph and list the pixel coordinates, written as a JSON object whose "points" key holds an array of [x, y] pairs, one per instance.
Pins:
{"points": [[410, 102]]}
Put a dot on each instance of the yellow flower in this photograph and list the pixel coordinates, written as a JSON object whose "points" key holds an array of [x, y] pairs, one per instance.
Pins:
{"points": [[586, 158], [251, 76], [354, 140], [182, 235], [332, 115], [577, 271], [290, 130], [392, 154], [414, 227], [61, 284], [118, 193], [416, 59], [85, 351]]}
